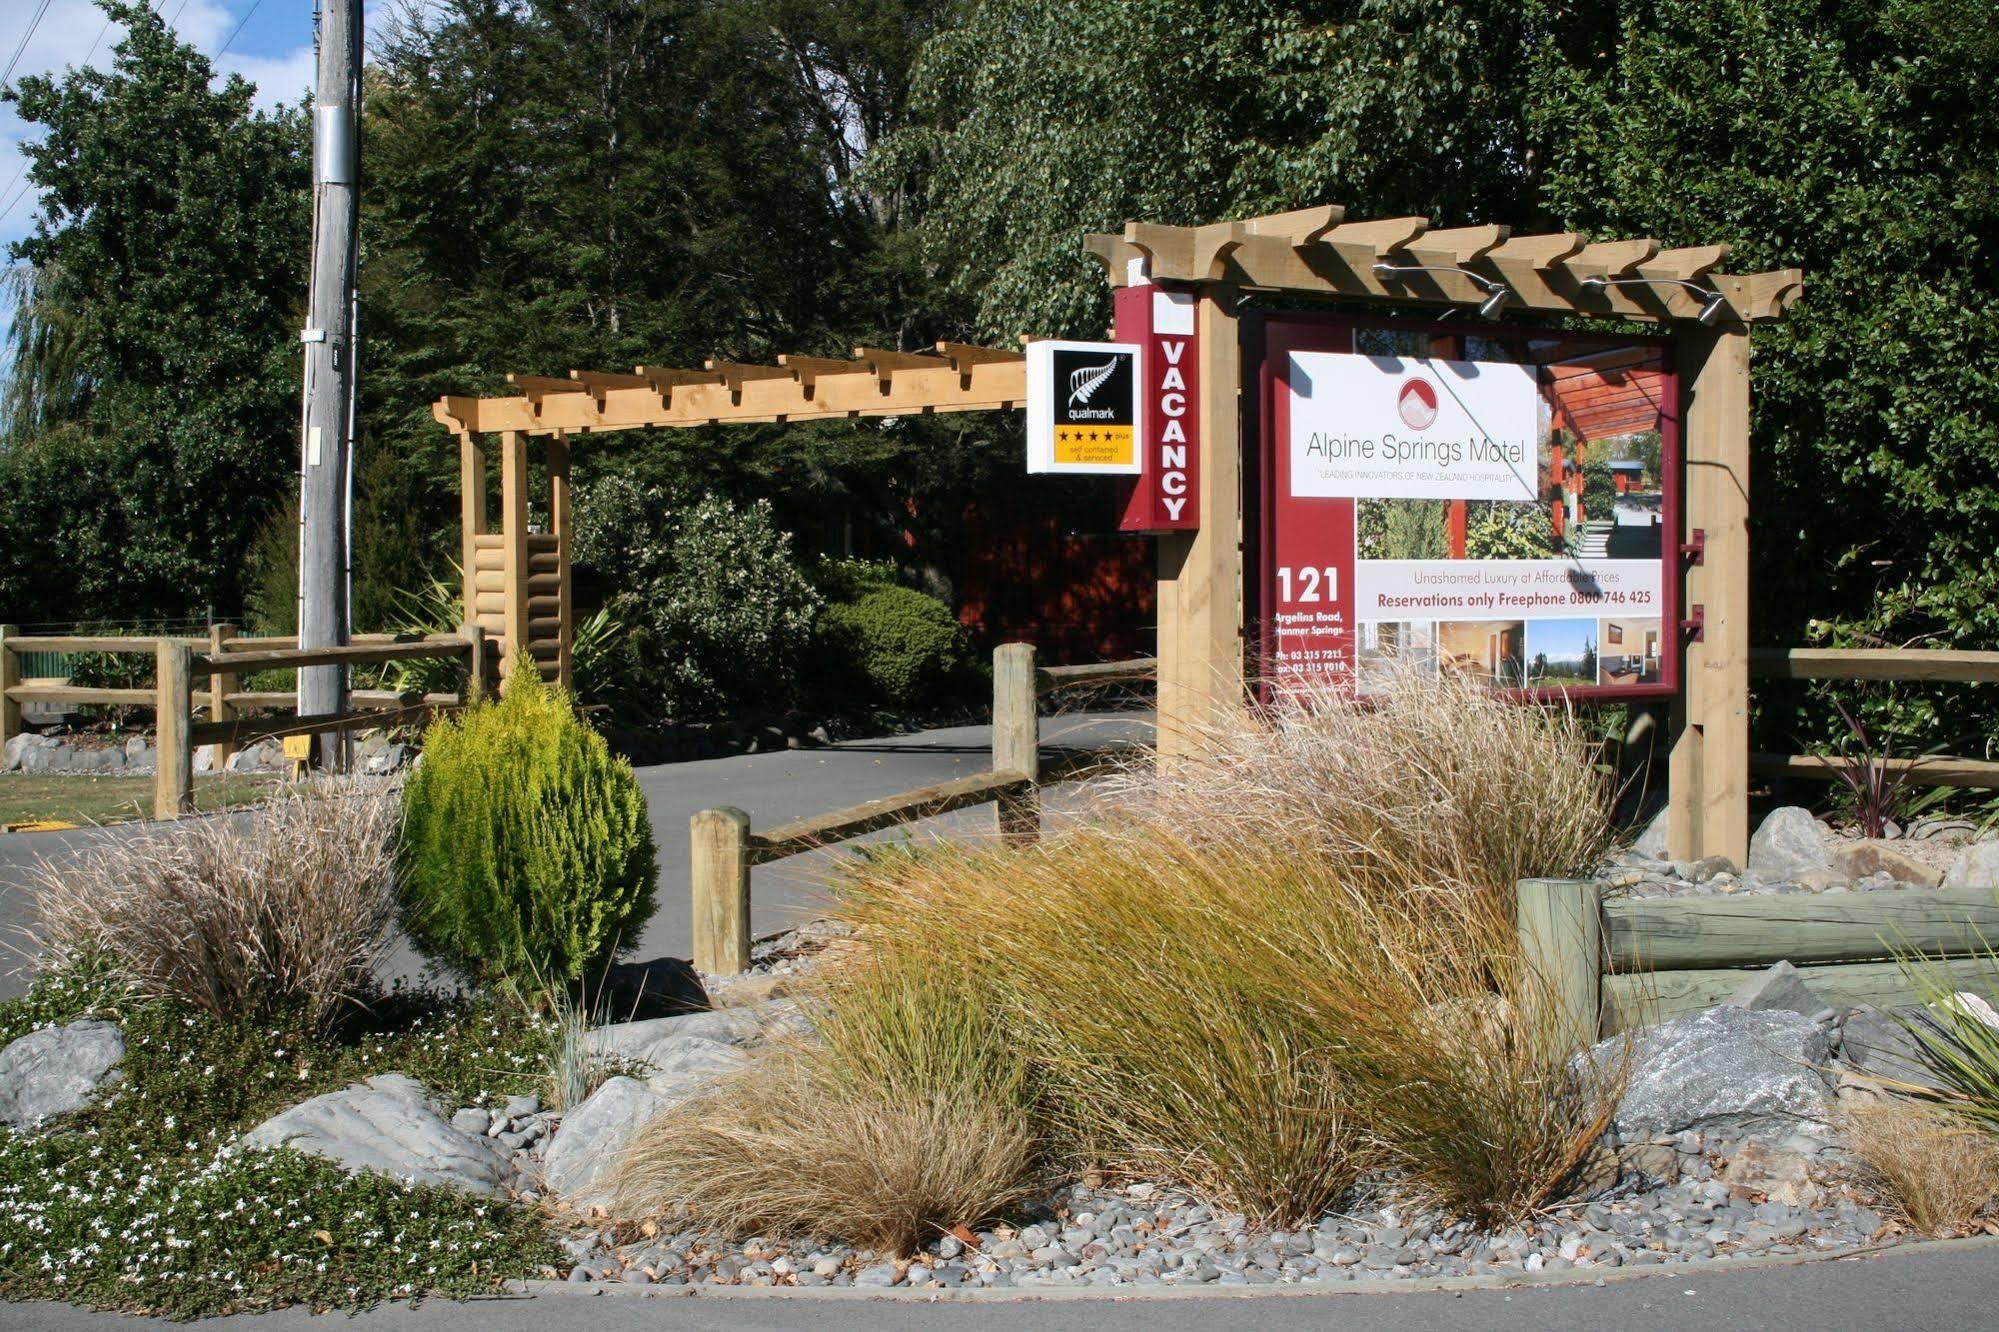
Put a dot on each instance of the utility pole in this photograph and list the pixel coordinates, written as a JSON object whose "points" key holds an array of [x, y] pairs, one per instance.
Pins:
{"points": [[326, 452]]}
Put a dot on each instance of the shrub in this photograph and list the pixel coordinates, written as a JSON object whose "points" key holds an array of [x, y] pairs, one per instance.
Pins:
{"points": [[1936, 1170], [1957, 1044], [287, 905], [897, 646], [525, 855], [716, 612], [908, 1115]]}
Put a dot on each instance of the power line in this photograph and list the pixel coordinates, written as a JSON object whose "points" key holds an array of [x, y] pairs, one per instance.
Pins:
{"points": [[239, 28], [26, 37]]}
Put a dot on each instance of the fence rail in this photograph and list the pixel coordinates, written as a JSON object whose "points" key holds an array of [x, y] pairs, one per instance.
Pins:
{"points": [[1618, 963], [177, 666], [1909, 665], [725, 848]]}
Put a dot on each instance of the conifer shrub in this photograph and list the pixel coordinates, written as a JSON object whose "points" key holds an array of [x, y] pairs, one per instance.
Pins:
{"points": [[526, 857]]}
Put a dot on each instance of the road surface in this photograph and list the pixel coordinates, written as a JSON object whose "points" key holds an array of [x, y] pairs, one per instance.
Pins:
{"points": [[773, 788], [1915, 1288]]}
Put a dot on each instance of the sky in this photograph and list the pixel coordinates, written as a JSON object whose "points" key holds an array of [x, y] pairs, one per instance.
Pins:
{"points": [[268, 42]]}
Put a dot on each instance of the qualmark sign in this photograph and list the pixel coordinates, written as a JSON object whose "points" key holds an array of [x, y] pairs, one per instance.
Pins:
{"points": [[1083, 413], [1390, 427]]}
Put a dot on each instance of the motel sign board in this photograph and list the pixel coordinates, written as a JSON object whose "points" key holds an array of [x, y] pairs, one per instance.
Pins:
{"points": [[1084, 413], [1164, 496]]}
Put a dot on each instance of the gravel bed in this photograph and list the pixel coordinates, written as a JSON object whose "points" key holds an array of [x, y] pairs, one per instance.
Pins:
{"points": [[1143, 1235]]}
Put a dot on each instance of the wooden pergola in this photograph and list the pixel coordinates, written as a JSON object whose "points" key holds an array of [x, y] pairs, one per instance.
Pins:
{"points": [[517, 580]]}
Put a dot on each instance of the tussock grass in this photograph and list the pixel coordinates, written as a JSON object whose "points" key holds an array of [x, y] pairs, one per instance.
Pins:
{"points": [[1257, 978], [1936, 1170], [288, 904], [906, 1116], [1439, 785]]}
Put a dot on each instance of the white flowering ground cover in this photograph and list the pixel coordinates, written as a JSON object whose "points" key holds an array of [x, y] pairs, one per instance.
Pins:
{"points": [[137, 1203]]}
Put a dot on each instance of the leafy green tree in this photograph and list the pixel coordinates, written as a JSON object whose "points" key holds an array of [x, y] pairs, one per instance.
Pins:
{"points": [[1853, 141], [151, 406], [1040, 119]]}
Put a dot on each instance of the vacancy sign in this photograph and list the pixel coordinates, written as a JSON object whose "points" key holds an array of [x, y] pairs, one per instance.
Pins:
{"points": [[1164, 496], [1084, 414], [1391, 427]]}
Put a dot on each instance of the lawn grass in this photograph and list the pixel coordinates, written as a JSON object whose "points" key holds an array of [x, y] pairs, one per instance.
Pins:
{"points": [[85, 799]]}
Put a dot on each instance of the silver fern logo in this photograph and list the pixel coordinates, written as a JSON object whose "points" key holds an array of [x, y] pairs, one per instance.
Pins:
{"points": [[1084, 382]]}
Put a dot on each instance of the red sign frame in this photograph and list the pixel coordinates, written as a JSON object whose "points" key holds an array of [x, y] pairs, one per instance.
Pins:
{"points": [[1314, 540], [1165, 495]]}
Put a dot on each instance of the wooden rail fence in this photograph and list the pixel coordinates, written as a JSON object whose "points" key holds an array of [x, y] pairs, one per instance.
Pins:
{"points": [[1614, 963], [1914, 665], [178, 667], [725, 848]]}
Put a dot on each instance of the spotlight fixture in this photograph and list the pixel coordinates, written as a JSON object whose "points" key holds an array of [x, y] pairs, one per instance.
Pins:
{"points": [[1496, 293], [1713, 303]]}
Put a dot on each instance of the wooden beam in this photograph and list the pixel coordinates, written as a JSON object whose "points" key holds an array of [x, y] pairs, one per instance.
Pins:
{"points": [[1201, 572], [1972, 774], [884, 365], [10, 680], [514, 550], [359, 719], [1458, 245], [563, 524], [736, 374], [538, 388], [803, 835], [56, 691], [601, 381], [1187, 254], [1762, 929], [1540, 251], [719, 875], [675, 399], [353, 654], [471, 512], [1924, 664], [1684, 264], [1050, 679], [1630, 1002], [173, 758], [963, 356], [1301, 226], [1611, 258], [1709, 795]]}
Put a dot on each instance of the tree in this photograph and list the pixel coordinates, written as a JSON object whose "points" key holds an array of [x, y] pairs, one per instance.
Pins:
{"points": [[1854, 141], [1041, 119], [151, 409]]}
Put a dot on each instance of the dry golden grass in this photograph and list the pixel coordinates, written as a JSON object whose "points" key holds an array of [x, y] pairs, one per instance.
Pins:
{"points": [[1253, 978], [288, 903], [1936, 1170], [907, 1116], [1439, 785]]}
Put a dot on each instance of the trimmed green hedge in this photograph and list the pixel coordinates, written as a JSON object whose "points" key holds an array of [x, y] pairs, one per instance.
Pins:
{"points": [[894, 645]]}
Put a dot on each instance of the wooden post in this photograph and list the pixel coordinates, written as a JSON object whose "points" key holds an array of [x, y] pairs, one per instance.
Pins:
{"points": [[721, 883], [514, 532], [173, 767], [1709, 766], [478, 668], [221, 684], [1017, 739], [1560, 928], [559, 522], [10, 677], [471, 514], [1201, 572]]}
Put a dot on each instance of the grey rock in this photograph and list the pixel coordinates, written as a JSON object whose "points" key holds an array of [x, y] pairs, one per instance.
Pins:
{"points": [[14, 755], [1725, 1067], [652, 1041], [520, 1107], [57, 1069], [389, 758], [388, 1125], [593, 1137], [1879, 1046], [1781, 987], [1977, 866], [686, 1067], [472, 1120], [1789, 842]]}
